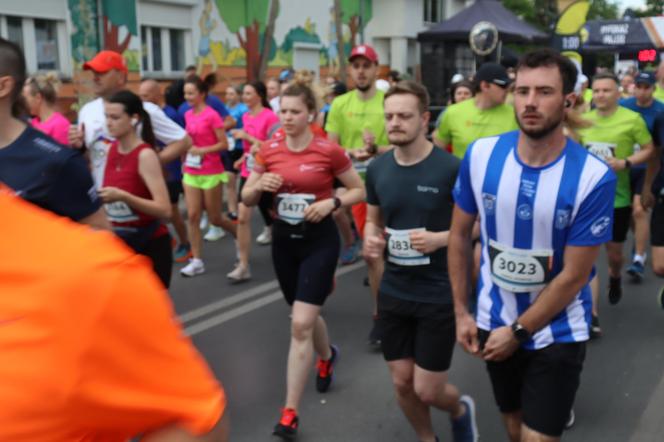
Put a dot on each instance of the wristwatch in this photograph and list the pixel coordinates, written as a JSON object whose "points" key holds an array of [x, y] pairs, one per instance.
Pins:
{"points": [[520, 333], [337, 203], [628, 163]]}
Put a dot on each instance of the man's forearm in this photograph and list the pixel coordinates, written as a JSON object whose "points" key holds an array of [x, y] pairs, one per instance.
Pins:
{"points": [[174, 150], [458, 259], [554, 298]]}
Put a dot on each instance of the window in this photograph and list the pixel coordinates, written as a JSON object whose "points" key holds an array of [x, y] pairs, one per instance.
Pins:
{"points": [[163, 50], [433, 11], [144, 48], [15, 30], [47, 45], [177, 50], [45, 42], [157, 65]]}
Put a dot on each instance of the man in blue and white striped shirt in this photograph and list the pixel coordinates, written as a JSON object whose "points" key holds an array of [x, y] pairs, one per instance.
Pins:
{"points": [[545, 205]]}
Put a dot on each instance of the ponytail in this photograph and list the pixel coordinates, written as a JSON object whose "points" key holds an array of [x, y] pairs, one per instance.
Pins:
{"points": [[147, 134]]}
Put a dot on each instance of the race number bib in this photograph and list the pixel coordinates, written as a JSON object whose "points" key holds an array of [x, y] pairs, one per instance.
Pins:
{"points": [[400, 250], [602, 150], [519, 270], [251, 162], [291, 206], [120, 212], [194, 161]]}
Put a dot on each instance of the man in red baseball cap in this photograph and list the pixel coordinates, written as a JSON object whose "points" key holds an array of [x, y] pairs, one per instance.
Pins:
{"points": [[110, 76], [356, 121]]}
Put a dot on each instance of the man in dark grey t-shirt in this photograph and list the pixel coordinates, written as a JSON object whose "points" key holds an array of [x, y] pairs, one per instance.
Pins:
{"points": [[409, 196]]}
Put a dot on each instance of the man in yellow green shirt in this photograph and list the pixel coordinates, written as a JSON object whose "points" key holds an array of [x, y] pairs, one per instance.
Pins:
{"points": [[482, 116], [612, 136], [356, 121]]}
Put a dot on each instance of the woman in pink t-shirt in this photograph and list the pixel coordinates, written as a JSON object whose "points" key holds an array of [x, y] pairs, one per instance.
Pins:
{"points": [[203, 170], [40, 92], [257, 125]]}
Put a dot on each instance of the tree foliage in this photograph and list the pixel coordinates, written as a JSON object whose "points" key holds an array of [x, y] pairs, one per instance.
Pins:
{"points": [[543, 14], [653, 8], [238, 14]]}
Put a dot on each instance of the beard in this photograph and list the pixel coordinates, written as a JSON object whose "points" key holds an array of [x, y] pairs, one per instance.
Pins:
{"points": [[549, 125], [401, 139], [364, 88]]}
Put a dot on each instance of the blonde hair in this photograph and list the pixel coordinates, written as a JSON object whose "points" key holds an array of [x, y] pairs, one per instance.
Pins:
{"points": [[306, 78], [45, 84]]}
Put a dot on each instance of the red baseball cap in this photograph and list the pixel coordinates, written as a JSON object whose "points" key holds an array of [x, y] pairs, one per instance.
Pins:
{"points": [[104, 61], [365, 51]]}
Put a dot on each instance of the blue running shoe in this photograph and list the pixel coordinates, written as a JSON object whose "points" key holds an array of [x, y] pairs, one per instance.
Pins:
{"points": [[182, 253], [635, 270], [464, 428], [348, 255]]}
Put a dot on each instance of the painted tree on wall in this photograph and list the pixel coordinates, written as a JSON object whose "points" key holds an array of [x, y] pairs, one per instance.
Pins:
{"points": [[356, 14], [84, 39], [250, 16], [115, 14]]}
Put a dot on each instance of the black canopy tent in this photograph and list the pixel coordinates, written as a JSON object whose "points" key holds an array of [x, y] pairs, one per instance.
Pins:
{"points": [[445, 49], [510, 27], [627, 35]]}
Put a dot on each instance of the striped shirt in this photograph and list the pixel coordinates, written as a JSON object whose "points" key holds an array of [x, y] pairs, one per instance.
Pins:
{"points": [[528, 216]]}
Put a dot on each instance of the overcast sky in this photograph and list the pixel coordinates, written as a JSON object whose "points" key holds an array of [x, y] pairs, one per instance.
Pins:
{"points": [[635, 4]]}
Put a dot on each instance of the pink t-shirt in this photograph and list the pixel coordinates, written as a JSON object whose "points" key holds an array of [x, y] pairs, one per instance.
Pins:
{"points": [[257, 126], [55, 127], [200, 128]]}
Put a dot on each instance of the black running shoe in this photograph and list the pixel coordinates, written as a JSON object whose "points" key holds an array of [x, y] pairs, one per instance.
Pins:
{"points": [[286, 428], [595, 329], [325, 371], [374, 336], [615, 290]]}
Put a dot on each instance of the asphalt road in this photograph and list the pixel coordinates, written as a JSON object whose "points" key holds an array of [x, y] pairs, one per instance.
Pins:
{"points": [[243, 332]]}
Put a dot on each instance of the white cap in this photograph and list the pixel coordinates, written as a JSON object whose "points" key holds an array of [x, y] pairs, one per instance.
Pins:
{"points": [[382, 85], [457, 78]]}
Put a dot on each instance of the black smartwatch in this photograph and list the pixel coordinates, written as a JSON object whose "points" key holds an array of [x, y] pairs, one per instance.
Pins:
{"points": [[337, 203], [628, 163], [520, 333]]}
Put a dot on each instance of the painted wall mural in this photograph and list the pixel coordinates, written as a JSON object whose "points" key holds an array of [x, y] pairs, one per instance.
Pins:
{"points": [[228, 30]]}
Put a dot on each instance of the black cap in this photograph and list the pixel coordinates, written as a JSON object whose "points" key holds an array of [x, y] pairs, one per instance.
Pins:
{"points": [[339, 88], [493, 73]]}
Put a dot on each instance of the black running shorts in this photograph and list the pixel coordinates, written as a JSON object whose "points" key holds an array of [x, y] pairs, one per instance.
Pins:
{"points": [[637, 177], [657, 224], [174, 190], [541, 384], [422, 331], [305, 259], [622, 217]]}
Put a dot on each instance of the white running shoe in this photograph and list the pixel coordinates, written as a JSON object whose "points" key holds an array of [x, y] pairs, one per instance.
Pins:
{"points": [[195, 267], [204, 221], [239, 274], [265, 237], [214, 233]]}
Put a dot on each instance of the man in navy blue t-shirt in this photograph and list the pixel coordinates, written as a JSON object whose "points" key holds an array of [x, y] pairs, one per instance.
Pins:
{"points": [[35, 166], [644, 103]]}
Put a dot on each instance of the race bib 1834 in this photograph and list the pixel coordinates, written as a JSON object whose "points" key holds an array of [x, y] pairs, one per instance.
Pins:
{"points": [[291, 206], [400, 250], [519, 270]]}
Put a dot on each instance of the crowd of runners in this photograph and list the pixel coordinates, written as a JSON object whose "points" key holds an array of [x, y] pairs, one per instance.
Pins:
{"points": [[484, 232]]}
